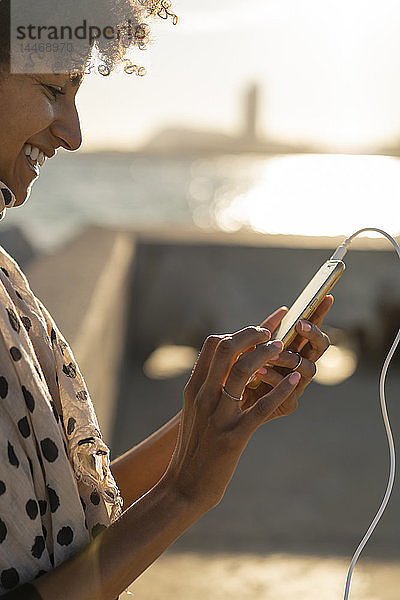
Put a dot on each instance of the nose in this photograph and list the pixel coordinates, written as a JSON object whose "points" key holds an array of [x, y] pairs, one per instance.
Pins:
{"points": [[66, 128]]}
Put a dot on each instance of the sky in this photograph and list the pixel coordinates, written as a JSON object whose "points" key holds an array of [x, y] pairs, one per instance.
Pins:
{"points": [[328, 73]]}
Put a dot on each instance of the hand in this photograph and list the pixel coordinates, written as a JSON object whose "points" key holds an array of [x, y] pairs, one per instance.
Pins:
{"points": [[310, 345], [214, 429]]}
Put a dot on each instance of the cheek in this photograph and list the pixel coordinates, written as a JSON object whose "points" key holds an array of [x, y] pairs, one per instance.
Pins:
{"points": [[35, 117], [25, 118]]}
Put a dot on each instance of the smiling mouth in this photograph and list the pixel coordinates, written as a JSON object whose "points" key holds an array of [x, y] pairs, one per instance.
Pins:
{"points": [[33, 165], [34, 157]]}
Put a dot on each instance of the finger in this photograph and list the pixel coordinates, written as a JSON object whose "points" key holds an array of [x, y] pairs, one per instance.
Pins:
{"points": [[317, 318], [273, 321], [199, 373], [268, 404], [228, 351], [248, 364], [306, 368], [202, 364], [318, 341], [269, 375], [322, 310]]}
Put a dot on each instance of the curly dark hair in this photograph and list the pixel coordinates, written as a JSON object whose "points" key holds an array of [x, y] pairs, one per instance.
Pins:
{"points": [[130, 17]]}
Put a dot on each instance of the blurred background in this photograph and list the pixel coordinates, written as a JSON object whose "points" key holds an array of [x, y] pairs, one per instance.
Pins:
{"points": [[205, 195]]}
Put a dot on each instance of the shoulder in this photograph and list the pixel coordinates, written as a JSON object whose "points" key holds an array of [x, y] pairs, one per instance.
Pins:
{"points": [[15, 282], [10, 268]]}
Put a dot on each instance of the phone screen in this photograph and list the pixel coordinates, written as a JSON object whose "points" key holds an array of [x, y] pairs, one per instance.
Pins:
{"points": [[309, 299], [306, 304]]}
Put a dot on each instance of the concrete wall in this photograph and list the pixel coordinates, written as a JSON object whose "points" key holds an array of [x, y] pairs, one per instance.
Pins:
{"points": [[84, 286], [184, 291]]}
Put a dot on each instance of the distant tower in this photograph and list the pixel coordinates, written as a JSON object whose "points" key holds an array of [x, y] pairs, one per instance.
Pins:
{"points": [[251, 106]]}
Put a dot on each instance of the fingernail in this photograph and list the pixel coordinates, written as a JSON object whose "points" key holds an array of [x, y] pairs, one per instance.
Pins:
{"points": [[304, 326], [294, 378], [275, 358], [276, 344], [264, 330], [261, 371]]}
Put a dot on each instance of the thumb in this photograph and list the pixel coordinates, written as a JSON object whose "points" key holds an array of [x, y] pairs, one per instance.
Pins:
{"points": [[266, 405]]}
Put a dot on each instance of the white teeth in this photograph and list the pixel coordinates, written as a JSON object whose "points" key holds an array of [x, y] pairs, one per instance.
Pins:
{"points": [[34, 153]]}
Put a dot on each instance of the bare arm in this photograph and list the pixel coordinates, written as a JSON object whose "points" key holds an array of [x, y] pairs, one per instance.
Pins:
{"points": [[139, 469], [212, 435], [123, 551]]}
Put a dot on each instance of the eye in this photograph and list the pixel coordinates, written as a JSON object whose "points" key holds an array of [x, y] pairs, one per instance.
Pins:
{"points": [[54, 90]]}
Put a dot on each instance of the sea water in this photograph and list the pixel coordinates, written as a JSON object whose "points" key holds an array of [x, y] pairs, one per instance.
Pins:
{"points": [[309, 194]]}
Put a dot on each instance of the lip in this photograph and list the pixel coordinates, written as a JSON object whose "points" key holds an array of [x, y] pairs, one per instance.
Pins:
{"points": [[49, 152]]}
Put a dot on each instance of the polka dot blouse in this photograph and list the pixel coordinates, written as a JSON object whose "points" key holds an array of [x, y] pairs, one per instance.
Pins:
{"points": [[56, 489]]}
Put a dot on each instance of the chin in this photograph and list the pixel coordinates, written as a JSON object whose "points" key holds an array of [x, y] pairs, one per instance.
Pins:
{"points": [[23, 194]]}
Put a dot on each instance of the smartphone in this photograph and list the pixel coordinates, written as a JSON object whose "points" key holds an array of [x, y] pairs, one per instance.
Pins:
{"points": [[305, 305]]}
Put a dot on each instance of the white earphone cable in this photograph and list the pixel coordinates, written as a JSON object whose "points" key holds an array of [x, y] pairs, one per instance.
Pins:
{"points": [[338, 255]]}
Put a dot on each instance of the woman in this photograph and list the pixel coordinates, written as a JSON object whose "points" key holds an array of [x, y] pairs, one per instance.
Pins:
{"points": [[63, 533]]}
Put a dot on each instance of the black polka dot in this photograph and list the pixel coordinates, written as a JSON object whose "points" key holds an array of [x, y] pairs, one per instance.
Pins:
{"points": [[70, 370], [3, 531], [88, 440], [98, 528], [16, 355], [24, 428], [49, 449], [3, 387], [44, 532], [12, 457], [55, 411], [7, 197], [15, 324], [40, 573], [9, 578], [53, 335], [2, 488], [38, 547], [71, 425], [42, 507], [94, 498], [65, 536], [27, 323], [30, 465], [53, 499], [81, 395], [31, 508], [19, 295], [5, 271], [29, 400]]}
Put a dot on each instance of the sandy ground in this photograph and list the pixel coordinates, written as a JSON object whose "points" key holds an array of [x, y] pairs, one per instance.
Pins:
{"points": [[254, 577]]}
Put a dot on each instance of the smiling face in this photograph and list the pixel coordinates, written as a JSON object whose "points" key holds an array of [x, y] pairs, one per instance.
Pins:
{"points": [[38, 115]]}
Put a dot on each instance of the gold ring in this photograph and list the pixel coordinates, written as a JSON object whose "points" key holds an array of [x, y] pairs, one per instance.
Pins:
{"points": [[230, 395]]}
